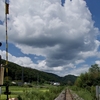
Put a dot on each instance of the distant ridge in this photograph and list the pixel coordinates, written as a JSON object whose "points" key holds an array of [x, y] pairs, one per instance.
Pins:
{"points": [[32, 75]]}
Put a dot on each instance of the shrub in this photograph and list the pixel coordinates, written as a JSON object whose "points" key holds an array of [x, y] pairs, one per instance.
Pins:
{"points": [[41, 95]]}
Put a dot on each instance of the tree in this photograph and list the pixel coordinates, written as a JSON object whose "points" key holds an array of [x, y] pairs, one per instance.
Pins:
{"points": [[94, 68], [92, 77], [78, 82]]}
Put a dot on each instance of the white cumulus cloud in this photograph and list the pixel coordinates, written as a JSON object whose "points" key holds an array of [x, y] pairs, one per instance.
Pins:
{"points": [[62, 34]]}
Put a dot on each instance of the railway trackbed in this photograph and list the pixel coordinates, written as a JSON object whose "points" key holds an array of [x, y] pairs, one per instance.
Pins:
{"points": [[68, 95], [65, 95]]}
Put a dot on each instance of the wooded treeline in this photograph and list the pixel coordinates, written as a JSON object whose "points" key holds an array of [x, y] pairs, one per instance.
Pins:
{"points": [[90, 78], [17, 72], [88, 81]]}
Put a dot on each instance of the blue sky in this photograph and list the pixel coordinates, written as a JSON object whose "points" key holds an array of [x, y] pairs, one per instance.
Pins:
{"points": [[47, 36], [93, 7]]}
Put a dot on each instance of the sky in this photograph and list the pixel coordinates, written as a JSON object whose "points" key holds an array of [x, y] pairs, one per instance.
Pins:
{"points": [[60, 37]]}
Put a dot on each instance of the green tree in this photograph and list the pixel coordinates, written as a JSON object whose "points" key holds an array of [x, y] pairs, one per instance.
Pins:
{"points": [[90, 78], [78, 82]]}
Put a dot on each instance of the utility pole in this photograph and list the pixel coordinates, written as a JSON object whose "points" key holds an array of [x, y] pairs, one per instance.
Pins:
{"points": [[0, 55], [38, 80], [1, 72], [7, 82], [22, 76]]}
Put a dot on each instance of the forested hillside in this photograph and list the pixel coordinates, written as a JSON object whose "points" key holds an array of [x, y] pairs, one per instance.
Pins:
{"points": [[17, 72]]}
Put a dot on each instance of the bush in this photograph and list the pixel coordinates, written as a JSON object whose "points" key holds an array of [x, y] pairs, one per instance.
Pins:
{"points": [[84, 93], [38, 94], [19, 97]]}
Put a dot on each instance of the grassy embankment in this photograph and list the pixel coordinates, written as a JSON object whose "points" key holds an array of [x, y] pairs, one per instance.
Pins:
{"points": [[84, 93]]}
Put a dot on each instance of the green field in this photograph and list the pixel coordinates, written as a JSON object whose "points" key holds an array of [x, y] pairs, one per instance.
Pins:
{"points": [[32, 93], [15, 91]]}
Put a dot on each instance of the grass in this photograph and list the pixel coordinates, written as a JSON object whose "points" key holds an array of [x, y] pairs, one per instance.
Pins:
{"points": [[32, 93], [42, 94], [83, 93], [4, 97], [86, 95], [15, 91]]}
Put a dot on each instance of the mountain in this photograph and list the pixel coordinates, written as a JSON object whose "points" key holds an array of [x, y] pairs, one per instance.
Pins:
{"points": [[69, 79], [17, 72]]}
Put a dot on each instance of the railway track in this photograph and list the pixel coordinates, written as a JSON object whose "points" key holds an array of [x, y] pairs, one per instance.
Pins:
{"points": [[68, 95], [65, 95]]}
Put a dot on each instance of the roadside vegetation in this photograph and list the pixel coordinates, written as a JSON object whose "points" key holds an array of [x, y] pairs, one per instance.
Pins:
{"points": [[83, 93], [45, 94], [85, 85], [33, 93]]}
